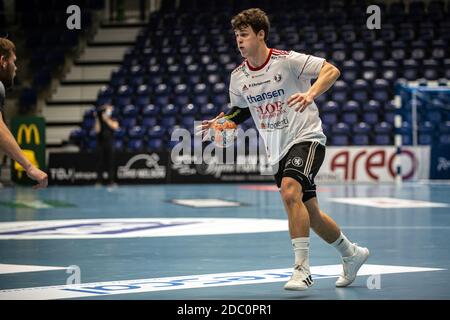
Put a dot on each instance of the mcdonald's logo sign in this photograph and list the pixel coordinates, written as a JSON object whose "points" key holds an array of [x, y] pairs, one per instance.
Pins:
{"points": [[28, 130], [30, 135]]}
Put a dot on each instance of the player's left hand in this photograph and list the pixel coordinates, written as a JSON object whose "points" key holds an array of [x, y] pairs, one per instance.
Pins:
{"points": [[300, 101]]}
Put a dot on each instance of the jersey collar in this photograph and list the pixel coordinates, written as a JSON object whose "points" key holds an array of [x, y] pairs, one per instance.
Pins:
{"points": [[261, 66]]}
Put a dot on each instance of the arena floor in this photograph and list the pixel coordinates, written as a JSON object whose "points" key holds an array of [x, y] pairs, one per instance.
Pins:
{"points": [[231, 242]]}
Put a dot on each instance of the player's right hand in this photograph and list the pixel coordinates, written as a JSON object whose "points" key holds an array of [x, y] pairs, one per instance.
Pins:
{"points": [[39, 176], [202, 129]]}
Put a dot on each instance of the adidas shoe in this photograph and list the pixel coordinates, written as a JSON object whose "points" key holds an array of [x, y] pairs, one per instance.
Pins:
{"points": [[301, 279], [351, 266]]}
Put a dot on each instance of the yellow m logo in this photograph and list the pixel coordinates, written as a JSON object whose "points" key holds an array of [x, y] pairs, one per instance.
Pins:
{"points": [[28, 130]]}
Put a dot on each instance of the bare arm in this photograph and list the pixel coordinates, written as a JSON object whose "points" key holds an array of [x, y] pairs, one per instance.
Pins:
{"points": [[97, 124], [113, 124], [9, 145], [327, 77]]}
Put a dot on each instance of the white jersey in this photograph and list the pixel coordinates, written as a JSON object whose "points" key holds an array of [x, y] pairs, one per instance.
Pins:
{"points": [[266, 89]]}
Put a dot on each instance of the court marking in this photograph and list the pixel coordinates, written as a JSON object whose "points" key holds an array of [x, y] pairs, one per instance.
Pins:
{"points": [[19, 268], [138, 227], [206, 203], [389, 203], [191, 282]]}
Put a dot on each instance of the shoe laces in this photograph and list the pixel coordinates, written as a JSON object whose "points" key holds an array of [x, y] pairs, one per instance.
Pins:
{"points": [[348, 261], [300, 271]]}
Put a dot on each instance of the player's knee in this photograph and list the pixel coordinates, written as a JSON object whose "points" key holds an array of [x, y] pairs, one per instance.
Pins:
{"points": [[291, 191]]}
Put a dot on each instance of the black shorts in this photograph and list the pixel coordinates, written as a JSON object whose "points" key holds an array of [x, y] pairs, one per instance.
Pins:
{"points": [[302, 162]]}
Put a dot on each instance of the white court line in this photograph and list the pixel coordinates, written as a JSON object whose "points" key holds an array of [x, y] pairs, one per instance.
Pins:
{"points": [[19, 268], [190, 282], [397, 227]]}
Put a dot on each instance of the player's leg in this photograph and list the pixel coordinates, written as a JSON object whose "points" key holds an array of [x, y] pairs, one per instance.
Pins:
{"points": [[292, 179], [353, 256], [298, 217], [298, 221]]}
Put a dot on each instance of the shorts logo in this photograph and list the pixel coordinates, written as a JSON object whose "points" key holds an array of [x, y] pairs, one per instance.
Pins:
{"points": [[297, 161]]}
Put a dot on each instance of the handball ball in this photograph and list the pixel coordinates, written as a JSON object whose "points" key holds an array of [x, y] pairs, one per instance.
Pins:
{"points": [[223, 132]]}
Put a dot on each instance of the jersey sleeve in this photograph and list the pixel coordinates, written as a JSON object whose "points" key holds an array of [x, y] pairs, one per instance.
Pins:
{"points": [[305, 66], [236, 97]]}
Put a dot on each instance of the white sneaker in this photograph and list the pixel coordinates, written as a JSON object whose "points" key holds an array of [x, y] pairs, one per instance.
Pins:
{"points": [[301, 279], [351, 266]]}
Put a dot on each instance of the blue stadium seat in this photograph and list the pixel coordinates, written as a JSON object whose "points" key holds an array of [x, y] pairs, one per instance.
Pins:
{"points": [[340, 128], [382, 140], [150, 110], [340, 139], [209, 109], [350, 112], [410, 69], [155, 144], [330, 112], [349, 71], [128, 122], [168, 121], [88, 124], [379, 50], [360, 89], [360, 139], [389, 71], [387, 33], [148, 122], [340, 90], [380, 90], [406, 32], [358, 51], [124, 95], [169, 110], [189, 109], [104, 95], [156, 132], [187, 122], [426, 133], [135, 145], [431, 69], [348, 34], [155, 80], [118, 145], [362, 128], [143, 91], [174, 79], [130, 111], [136, 132], [370, 70]]}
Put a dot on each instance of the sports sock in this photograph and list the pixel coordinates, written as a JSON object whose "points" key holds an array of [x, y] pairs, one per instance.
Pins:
{"points": [[301, 251], [344, 246]]}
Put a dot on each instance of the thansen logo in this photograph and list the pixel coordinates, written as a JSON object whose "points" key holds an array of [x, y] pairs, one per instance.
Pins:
{"points": [[265, 96], [28, 130]]}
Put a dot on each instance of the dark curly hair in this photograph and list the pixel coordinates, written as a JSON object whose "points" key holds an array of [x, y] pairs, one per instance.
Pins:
{"points": [[254, 18]]}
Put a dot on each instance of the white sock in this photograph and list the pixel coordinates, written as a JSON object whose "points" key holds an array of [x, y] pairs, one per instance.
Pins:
{"points": [[344, 246], [301, 251]]}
